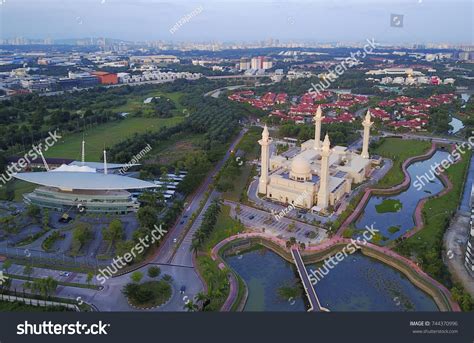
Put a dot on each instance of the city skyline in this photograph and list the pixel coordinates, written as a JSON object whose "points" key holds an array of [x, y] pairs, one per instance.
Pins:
{"points": [[418, 21]]}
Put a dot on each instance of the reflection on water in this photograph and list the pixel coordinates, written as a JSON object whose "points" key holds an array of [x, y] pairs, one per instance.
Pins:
{"points": [[358, 283], [403, 220]]}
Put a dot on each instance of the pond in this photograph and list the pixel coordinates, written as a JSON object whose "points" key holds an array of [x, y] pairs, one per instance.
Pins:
{"points": [[358, 283], [393, 224]]}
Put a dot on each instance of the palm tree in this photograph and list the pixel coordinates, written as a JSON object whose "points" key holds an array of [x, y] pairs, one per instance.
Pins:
{"points": [[195, 245], [200, 236], [190, 306], [200, 297]]}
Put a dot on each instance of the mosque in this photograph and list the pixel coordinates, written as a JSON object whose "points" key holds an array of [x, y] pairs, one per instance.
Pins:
{"points": [[314, 176]]}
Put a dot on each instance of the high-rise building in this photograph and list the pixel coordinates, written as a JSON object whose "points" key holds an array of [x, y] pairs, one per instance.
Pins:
{"points": [[267, 63], [257, 62], [244, 63]]}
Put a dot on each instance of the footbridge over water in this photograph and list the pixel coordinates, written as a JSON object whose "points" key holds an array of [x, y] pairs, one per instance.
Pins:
{"points": [[315, 305]]}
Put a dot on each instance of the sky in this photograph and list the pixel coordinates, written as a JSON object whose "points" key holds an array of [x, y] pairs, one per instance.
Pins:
{"points": [[416, 21]]}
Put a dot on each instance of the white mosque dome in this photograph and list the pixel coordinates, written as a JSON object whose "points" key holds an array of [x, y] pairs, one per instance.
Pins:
{"points": [[300, 168]]}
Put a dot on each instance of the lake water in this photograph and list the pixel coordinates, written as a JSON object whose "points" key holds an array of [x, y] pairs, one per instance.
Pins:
{"points": [[358, 283], [403, 219]]}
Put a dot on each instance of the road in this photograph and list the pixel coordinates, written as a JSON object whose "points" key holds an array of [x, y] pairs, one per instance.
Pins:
{"points": [[174, 240]]}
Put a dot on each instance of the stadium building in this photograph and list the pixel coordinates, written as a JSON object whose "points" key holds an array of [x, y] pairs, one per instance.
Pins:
{"points": [[83, 189]]}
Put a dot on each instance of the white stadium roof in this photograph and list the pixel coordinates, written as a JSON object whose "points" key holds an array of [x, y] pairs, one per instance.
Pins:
{"points": [[84, 181], [100, 165]]}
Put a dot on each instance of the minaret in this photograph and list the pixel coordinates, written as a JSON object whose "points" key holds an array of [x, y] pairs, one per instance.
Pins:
{"points": [[83, 153], [323, 193], [367, 123], [265, 156], [317, 128], [105, 162]]}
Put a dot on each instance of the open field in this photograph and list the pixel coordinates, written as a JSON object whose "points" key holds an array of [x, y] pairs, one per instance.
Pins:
{"points": [[106, 135], [175, 148], [226, 226], [135, 103], [398, 150]]}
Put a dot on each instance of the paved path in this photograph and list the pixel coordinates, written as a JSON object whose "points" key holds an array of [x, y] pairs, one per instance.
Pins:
{"points": [[315, 305]]}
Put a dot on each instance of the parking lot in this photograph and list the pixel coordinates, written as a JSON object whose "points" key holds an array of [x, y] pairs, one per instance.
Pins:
{"points": [[283, 228]]}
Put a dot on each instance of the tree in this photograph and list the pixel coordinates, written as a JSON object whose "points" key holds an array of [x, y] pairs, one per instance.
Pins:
{"points": [[81, 234], [195, 245], [45, 219], [33, 211], [27, 271], [200, 297], [167, 278], [190, 306], [146, 217], [154, 271], [90, 275], [114, 232], [136, 277], [6, 265], [46, 286]]}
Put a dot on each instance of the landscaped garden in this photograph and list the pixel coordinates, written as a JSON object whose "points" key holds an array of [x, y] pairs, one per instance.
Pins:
{"points": [[149, 294], [398, 150], [223, 226]]}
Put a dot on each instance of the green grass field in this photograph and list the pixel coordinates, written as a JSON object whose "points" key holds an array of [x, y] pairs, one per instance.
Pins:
{"points": [[176, 148], [398, 150], [135, 103], [226, 226], [106, 135]]}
